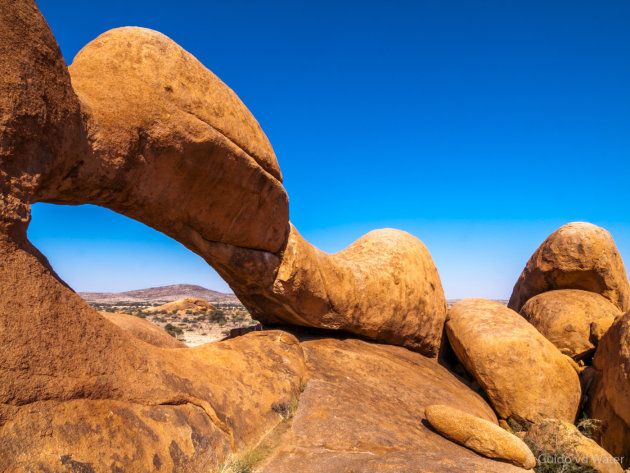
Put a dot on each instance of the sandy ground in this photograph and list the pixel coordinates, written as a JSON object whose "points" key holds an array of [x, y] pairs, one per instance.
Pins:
{"points": [[193, 326]]}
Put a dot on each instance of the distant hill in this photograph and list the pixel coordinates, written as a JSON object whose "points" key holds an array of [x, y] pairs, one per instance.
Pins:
{"points": [[159, 294]]}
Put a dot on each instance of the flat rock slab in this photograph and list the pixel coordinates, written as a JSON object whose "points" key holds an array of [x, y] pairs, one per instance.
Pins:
{"points": [[92, 436], [363, 411]]}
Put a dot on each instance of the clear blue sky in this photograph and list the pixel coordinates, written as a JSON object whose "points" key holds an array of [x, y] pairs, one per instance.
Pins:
{"points": [[479, 127]]}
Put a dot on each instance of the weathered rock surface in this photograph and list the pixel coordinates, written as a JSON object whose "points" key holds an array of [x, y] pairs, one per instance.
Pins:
{"points": [[573, 320], [363, 411], [57, 350], [93, 436], [144, 330], [523, 374], [179, 152], [40, 119], [384, 286], [555, 435], [609, 392], [480, 435], [576, 256]]}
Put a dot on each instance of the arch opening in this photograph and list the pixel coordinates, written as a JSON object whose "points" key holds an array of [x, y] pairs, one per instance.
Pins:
{"points": [[122, 267]]}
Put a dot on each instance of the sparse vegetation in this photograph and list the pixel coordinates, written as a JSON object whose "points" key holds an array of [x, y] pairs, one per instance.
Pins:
{"points": [[555, 455], [288, 409], [241, 463], [217, 316], [284, 409], [201, 324], [549, 460], [246, 461], [518, 426], [590, 428], [173, 331]]}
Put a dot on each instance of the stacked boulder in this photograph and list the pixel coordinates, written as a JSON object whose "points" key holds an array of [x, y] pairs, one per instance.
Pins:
{"points": [[608, 382], [572, 319], [575, 291], [578, 255], [571, 297]]}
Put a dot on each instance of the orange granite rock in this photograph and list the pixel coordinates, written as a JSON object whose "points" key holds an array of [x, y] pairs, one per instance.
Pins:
{"points": [[480, 435], [573, 320], [363, 410], [555, 435], [523, 374], [576, 256], [609, 391], [384, 286]]}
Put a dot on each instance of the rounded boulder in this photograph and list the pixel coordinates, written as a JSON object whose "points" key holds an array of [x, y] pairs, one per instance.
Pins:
{"points": [[480, 435], [384, 286], [578, 255], [523, 374], [573, 320]]}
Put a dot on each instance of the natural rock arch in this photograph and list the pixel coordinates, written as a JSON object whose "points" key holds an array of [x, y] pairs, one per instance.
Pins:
{"points": [[172, 146], [153, 135], [60, 361]]}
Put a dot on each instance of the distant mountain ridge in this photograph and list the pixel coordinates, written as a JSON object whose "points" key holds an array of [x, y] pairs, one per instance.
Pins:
{"points": [[159, 294], [450, 302]]}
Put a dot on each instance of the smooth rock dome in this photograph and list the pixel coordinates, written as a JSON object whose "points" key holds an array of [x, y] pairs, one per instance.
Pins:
{"points": [[578, 255], [384, 286], [173, 146]]}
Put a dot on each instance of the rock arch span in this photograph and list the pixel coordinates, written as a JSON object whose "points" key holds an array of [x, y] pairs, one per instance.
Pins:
{"points": [[168, 144], [140, 127]]}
